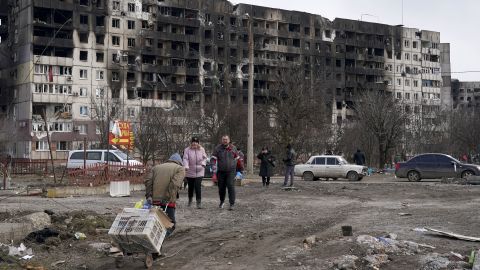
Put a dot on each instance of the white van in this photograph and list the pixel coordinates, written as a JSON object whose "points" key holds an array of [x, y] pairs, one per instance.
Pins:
{"points": [[115, 157]]}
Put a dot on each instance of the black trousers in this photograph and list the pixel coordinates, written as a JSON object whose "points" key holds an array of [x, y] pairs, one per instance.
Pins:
{"points": [[195, 184], [266, 180], [226, 180]]}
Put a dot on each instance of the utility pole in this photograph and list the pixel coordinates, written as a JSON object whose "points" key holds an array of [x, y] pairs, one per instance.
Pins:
{"points": [[250, 97]]}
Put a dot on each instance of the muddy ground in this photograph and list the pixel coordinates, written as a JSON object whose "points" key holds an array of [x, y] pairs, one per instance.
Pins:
{"points": [[268, 226]]}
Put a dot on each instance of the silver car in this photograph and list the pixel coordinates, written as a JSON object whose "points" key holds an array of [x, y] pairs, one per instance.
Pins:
{"points": [[328, 166]]}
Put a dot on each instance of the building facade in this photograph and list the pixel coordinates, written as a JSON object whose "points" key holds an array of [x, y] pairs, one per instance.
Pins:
{"points": [[69, 60], [466, 95]]}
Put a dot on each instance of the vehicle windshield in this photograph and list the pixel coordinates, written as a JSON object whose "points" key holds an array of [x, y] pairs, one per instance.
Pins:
{"points": [[121, 154], [454, 159], [342, 160]]}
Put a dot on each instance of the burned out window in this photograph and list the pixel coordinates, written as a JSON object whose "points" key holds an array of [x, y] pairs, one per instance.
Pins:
{"points": [[83, 55], [116, 5], [100, 21], [100, 39], [131, 7], [83, 37], [84, 3], [100, 56], [83, 19]]}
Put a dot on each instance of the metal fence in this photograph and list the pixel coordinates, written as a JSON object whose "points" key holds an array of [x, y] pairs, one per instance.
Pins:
{"points": [[102, 174]]}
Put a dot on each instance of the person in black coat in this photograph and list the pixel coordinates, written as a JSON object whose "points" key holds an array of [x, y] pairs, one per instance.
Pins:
{"points": [[266, 165], [359, 157]]}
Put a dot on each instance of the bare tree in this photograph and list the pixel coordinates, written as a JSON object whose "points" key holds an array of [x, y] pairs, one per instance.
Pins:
{"points": [[102, 111], [382, 118], [295, 112], [465, 131], [161, 132]]}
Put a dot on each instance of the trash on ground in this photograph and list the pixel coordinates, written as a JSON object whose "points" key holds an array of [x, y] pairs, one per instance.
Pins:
{"points": [[80, 236], [27, 257], [58, 263], [41, 235], [404, 214], [20, 251], [422, 230]]}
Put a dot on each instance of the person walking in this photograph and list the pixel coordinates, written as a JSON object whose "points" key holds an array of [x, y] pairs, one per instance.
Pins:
{"points": [[162, 184], [226, 156], [194, 161], [266, 165], [359, 157], [289, 162]]}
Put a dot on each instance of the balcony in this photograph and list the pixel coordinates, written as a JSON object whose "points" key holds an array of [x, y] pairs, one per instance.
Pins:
{"points": [[59, 42]]}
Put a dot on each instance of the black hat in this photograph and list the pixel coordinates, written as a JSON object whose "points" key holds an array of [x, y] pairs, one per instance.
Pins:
{"points": [[195, 139]]}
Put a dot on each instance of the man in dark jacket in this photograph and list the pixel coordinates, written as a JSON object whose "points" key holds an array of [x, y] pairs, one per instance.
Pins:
{"points": [[359, 157], [226, 156], [289, 162]]}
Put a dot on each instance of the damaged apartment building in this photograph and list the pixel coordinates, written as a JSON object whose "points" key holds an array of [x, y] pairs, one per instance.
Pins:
{"points": [[61, 58]]}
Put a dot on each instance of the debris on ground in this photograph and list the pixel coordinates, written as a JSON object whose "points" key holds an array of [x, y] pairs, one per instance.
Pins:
{"points": [[80, 236], [376, 260], [19, 251], [39, 220], [449, 234], [476, 261], [41, 236], [345, 262], [57, 263], [309, 241], [434, 261], [101, 247]]}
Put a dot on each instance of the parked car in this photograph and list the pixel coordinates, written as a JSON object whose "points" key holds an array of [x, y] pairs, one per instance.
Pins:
{"points": [[115, 157], [328, 166], [434, 165]]}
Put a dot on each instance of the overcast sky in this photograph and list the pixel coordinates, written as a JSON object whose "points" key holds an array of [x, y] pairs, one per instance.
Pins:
{"points": [[457, 21]]}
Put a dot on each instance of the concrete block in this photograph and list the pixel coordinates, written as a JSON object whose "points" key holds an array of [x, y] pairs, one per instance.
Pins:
{"points": [[120, 188], [14, 231], [39, 220]]}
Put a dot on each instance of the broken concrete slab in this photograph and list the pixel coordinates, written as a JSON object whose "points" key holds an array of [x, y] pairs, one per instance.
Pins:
{"points": [[434, 261], [376, 260], [39, 220], [345, 262], [14, 231]]}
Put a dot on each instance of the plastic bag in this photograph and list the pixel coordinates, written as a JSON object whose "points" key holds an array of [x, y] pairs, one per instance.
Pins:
{"points": [[139, 204]]}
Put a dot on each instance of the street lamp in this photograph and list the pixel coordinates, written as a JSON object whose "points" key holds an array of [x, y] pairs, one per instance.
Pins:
{"points": [[250, 97]]}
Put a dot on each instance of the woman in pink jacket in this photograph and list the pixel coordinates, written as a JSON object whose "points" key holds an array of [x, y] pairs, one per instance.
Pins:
{"points": [[194, 161]]}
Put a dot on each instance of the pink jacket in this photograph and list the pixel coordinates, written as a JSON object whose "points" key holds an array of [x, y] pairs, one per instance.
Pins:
{"points": [[194, 161]]}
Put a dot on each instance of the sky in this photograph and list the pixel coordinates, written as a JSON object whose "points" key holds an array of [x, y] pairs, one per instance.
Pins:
{"points": [[457, 21]]}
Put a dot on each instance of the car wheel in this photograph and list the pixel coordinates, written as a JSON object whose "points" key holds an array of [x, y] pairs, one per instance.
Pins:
{"points": [[352, 176], [360, 178], [413, 176], [308, 176], [467, 174]]}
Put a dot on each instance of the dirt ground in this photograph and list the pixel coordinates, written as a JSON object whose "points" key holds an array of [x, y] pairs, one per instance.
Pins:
{"points": [[268, 226]]}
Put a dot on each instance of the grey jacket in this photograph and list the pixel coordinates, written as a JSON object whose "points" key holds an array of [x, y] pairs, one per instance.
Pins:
{"points": [[290, 157], [226, 157]]}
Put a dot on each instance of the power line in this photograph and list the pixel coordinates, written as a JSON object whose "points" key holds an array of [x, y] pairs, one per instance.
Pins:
{"points": [[467, 71]]}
